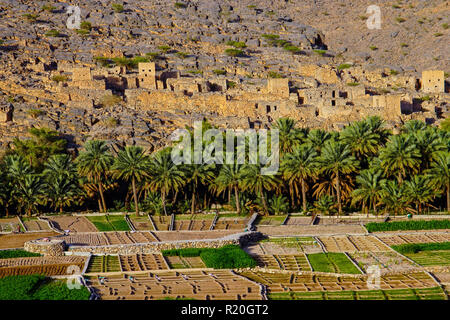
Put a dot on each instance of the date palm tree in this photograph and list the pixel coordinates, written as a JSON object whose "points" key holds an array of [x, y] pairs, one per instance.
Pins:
{"points": [[377, 125], [289, 136], [419, 191], [393, 196], [278, 204], [131, 164], [61, 192], [439, 173], [317, 138], [94, 163], [5, 191], [429, 143], [252, 179], [229, 178], [198, 174], [29, 193], [327, 185], [17, 168], [165, 176], [299, 166], [59, 165], [400, 156], [370, 189], [413, 126], [337, 159], [60, 181], [324, 204], [362, 140]]}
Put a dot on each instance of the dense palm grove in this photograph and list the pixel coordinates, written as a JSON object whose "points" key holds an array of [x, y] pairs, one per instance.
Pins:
{"points": [[363, 168]]}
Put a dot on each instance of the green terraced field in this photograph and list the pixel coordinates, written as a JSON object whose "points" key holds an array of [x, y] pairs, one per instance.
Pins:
{"points": [[103, 264], [332, 262], [435, 293], [431, 258], [194, 217], [109, 223]]}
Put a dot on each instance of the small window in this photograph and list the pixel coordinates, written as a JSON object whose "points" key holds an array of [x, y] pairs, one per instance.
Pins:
{"points": [[267, 109]]}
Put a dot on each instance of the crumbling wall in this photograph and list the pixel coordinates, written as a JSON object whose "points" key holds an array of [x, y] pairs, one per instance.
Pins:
{"points": [[433, 81]]}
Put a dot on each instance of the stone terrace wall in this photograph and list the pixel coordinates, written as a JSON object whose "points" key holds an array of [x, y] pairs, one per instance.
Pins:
{"points": [[156, 247], [51, 248]]}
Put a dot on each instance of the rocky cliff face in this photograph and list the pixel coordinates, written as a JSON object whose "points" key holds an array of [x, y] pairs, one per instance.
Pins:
{"points": [[212, 61]]}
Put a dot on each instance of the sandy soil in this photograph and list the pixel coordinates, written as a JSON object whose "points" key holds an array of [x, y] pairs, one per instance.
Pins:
{"points": [[17, 240]]}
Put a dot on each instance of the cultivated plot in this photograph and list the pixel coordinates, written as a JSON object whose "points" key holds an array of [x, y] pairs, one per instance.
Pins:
{"points": [[109, 222], [386, 261], [292, 245], [296, 262], [435, 293], [103, 263], [202, 285], [332, 262], [34, 224], [311, 282], [48, 266], [10, 225], [141, 223], [431, 258], [9, 241], [161, 222], [353, 244], [142, 262], [178, 262], [72, 223]]}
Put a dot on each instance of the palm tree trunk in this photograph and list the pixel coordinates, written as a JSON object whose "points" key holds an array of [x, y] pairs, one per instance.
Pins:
{"points": [[60, 208], [7, 209], [448, 196], [175, 197], [338, 191], [99, 204], [304, 195], [236, 195], [364, 208], [136, 205], [100, 189], [163, 200], [193, 202], [205, 201], [266, 211], [374, 203], [291, 194]]}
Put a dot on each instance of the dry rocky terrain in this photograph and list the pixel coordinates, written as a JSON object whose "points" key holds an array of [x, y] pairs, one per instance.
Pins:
{"points": [[314, 61]]}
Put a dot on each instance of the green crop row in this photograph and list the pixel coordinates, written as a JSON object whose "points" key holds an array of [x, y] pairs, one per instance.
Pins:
{"points": [[226, 257], [5, 254], [408, 225], [38, 287], [417, 247]]}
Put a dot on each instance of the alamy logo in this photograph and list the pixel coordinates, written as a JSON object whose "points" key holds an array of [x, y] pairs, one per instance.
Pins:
{"points": [[73, 281], [74, 20], [373, 279], [241, 147], [374, 21]]}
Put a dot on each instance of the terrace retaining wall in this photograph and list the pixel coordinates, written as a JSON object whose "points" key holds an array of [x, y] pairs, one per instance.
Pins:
{"points": [[51, 248], [155, 247]]}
